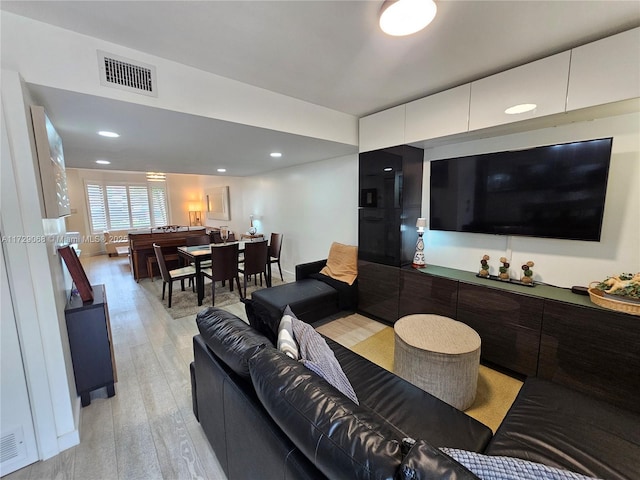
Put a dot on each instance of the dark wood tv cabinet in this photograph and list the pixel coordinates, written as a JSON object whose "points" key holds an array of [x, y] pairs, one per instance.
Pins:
{"points": [[91, 345], [545, 331]]}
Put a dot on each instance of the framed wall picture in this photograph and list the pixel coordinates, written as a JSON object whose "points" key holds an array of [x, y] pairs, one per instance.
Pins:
{"points": [[218, 203], [53, 177], [78, 274]]}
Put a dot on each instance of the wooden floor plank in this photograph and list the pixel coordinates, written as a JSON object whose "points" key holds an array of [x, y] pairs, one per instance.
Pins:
{"points": [[178, 457], [210, 464], [22, 474], [135, 449], [95, 457], [59, 467]]}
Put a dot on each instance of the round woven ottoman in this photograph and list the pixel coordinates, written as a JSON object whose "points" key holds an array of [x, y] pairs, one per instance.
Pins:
{"points": [[438, 355]]}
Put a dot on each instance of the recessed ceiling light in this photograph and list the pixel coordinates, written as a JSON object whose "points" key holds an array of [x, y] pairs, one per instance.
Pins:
{"points": [[521, 108], [103, 162], [105, 133], [222, 170], [404, 17], [388, 169], [275, 154]]}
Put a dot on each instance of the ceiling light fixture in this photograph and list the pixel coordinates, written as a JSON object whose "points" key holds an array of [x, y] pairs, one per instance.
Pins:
{"points": [[388, 169], [156, 177], [105, 133], [103, 162], [275, 154], [222, 170], [520, 108], [404, 17]]}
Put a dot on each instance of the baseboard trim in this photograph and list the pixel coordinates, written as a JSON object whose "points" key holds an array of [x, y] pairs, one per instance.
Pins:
{"points": [[72, 438]]}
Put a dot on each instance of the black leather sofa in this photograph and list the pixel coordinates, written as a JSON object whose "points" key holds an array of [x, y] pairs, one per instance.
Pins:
{"points": [[262, 424], [250, 444], [312, 297]]}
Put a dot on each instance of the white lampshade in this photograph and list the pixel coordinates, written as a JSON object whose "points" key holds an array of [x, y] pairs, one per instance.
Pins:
{"points": [[404, 17], [421, 223]]}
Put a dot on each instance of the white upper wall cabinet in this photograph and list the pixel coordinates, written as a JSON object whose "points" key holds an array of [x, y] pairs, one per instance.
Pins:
{"points": [[543, 83], [438, 115], [382, 129], [605, 71]]}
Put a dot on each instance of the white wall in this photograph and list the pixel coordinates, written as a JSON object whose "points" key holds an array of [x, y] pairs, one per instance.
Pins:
{"points": [[312, 205], [184, 193], [39, 304], [239, 215], [15, 414], [557, 262]]}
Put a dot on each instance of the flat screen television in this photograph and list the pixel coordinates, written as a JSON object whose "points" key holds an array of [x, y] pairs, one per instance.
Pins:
{"points": [[553, 191]]}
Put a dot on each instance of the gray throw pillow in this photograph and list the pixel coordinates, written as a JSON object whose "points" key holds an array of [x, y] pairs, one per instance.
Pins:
{"points": [[286, 341], [318, 357]]}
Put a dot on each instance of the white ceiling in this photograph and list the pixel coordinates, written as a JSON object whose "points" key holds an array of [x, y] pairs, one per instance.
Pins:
{"points": [[329, 53]]}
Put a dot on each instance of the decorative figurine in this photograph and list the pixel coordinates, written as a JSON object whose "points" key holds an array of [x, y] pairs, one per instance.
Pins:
{"points": [[484, 267], [504, 269], [527, 273]]}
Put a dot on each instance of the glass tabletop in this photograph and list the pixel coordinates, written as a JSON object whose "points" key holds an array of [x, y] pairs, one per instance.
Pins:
{"points": [[196, 250]]}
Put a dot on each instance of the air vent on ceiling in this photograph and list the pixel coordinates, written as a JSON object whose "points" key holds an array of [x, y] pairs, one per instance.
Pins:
{"points": [[125, 74]]}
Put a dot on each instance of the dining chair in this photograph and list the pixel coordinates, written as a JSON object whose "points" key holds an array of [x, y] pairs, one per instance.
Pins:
{"points": [[255, 262], [170, 276], [275, 249], [224, 266], [196, 240], [217, 238], [193, 240]]}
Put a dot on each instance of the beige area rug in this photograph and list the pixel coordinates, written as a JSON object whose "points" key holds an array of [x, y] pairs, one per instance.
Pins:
{"points": [[494, 396], [378, 348], [185, 303]]}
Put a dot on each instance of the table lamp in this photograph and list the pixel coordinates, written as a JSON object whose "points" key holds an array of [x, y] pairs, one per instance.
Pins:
{"points": [[418, 258], [195, 218]]}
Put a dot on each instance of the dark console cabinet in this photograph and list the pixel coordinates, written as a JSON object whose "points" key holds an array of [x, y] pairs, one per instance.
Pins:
{"points": [[378, 293], [508, 323], [543, 331], [90, 343], [420, 293], [593, 351]]}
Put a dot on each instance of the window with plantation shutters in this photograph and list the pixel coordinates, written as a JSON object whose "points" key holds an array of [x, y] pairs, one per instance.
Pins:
{"points": [[122, 206], [97, 210], [139, 206], [159, 205]]}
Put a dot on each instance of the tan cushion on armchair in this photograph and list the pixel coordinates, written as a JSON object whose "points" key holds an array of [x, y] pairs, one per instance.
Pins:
{"points": [[342, 263], [115, 238]]}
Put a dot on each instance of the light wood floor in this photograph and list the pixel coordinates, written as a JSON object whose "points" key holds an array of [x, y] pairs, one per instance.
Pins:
{"points": [[148, 430]]}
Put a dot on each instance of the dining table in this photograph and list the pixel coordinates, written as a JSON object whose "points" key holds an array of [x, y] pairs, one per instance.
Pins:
{"points": [[196, 254]]}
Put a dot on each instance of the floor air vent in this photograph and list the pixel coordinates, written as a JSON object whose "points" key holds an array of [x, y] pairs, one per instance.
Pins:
{"points": [[125, 74], [12, 446]]}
